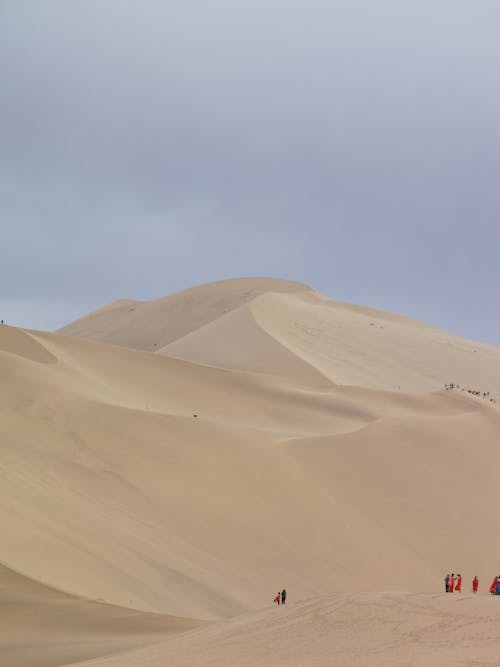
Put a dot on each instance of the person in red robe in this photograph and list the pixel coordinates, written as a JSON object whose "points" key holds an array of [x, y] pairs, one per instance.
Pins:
{"points": [[494, 585], [277, 598], [458, 585], [451, 586], [475, 584]]}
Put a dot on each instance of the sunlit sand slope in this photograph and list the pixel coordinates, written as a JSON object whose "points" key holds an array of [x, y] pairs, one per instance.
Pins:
{"points": [[371, 348], [357, 630], [349, 345]]}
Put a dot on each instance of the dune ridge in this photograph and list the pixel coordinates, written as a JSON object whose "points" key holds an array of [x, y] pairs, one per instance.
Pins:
{"points": [[150, 325], [284, 328]]}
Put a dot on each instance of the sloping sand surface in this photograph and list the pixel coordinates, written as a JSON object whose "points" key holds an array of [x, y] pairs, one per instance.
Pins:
{"points": [[369, 348], [43, 627], [151, 325], [361, 629], [236, 341], [298, 443], [285, 328]]}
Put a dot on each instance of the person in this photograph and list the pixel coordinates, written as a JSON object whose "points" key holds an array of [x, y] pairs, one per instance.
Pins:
{"points": [[475, 584], [283, 596], [277, 599], [494, 585], [458, 586], [451, 585], [447, 583]]}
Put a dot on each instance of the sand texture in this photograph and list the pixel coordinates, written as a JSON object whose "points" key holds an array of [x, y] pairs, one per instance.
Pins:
{"points": [[167, 466]]}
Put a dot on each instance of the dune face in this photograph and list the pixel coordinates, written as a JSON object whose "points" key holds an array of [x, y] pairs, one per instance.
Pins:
{"points": [[151, 325], [202, 450], [284, 328]]}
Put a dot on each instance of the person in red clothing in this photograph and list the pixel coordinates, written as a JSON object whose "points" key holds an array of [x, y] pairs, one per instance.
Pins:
{"points": [[475, 584], [458, 585], [494, 585], [277, 598], [451, 586]]}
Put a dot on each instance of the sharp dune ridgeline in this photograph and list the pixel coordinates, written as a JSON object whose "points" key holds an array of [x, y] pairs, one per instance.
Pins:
{"points": [[168, 465]]}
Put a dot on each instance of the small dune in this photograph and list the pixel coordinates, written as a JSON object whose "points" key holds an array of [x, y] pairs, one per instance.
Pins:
{"points": [[375, 629], [22, 344]]}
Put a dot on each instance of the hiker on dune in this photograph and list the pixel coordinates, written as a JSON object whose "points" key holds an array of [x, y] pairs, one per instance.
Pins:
{"points": [[458, 586], [277, 599], [475, 584], [494, 585], [451, 586]]}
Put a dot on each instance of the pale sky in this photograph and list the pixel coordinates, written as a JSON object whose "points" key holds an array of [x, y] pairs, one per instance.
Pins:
{"points": [[149, 146]]}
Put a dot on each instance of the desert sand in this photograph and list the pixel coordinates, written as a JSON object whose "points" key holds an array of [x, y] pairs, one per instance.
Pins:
{"points": [[167, 466]]}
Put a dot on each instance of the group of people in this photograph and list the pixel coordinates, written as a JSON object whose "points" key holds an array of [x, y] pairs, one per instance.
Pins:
{"points": [[473, 392], [453, 584], [280, 598]]}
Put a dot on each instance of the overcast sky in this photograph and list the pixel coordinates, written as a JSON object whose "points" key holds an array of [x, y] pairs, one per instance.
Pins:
{"points": [[150, 146]]}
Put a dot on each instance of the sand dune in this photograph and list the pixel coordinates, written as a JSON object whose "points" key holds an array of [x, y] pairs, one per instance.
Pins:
{"points": [[269, 438], [285, 328], [376, 629], [153, 324]]}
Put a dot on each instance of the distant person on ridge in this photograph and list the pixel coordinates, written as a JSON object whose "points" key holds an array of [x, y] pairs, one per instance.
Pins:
{"points": [[283, 596], [494, 585], [451, 586], [458, 586], [447, 583], [475, 584], [277, 599]]}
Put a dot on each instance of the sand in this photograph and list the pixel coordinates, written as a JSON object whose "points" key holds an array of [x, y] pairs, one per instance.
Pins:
{"points": [[173, 463], [378, 629]]}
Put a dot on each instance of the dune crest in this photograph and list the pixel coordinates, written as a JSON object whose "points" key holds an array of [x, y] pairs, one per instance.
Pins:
{"points": [[151, 325], [24, 345], [284, 328]]}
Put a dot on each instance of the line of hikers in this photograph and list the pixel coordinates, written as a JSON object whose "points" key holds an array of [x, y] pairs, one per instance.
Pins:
{"points": [[453, 584], [280, 598], [473, 392]]}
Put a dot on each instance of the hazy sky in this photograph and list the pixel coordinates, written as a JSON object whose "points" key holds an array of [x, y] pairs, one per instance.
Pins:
{"points": [[149, 146]]}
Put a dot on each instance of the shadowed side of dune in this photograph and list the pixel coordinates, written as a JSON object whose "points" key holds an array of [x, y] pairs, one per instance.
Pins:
{"points": [[43, 627]]}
